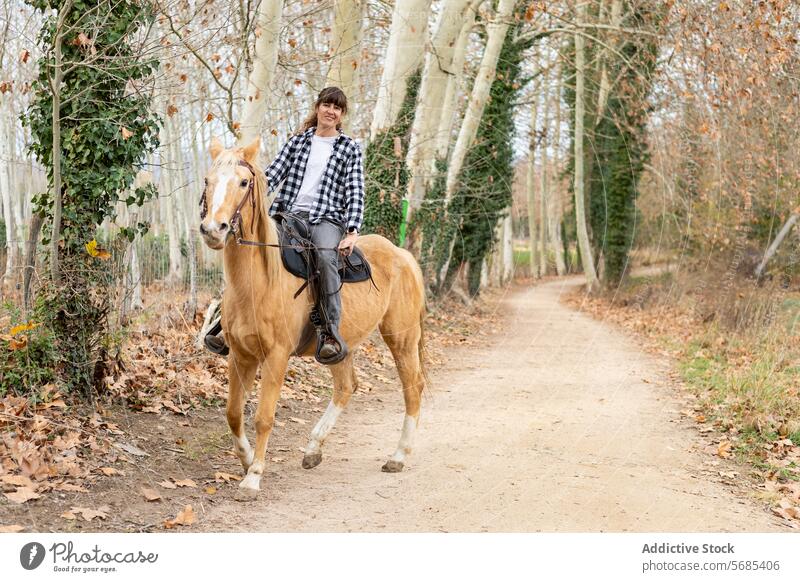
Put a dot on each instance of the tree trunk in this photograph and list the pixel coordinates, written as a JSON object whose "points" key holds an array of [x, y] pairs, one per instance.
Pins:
{"points": [[263, 74], [56, 92], [403, 56], [497, 30], [169, 193], [530, 184], [345, 46], [6, 189], [544, 196], [556, 195], [787, 227], [580, 211], [454, 83], [438, 66]]}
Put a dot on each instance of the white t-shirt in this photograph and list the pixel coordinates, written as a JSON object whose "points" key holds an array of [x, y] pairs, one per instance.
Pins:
{"points": [[321, 150]]}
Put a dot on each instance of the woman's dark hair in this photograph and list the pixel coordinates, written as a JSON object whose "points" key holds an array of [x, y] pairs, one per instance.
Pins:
{"points": [[332, 95]]}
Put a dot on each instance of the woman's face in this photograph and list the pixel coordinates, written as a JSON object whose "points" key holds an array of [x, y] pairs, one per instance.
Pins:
{"points": [[328, 115]]}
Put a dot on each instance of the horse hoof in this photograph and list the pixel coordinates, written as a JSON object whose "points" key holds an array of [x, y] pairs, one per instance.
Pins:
{"points": [[312, 460], [392, 466], [246, 494]]}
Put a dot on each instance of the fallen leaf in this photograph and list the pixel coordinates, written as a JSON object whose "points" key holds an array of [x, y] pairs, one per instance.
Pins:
{"points": [[185, 483], [297, 420], [69, 515], [22, 495], [227, 477], [168, 485], [211, 490], [150, 494], [136, 451], [110, 471], [89, 514], [17, 480], [724, 449], [185, 517], [11, 528]]}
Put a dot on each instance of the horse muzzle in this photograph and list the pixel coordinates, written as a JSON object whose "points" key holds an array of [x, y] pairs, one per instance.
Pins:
{"points": [[215, 235]]}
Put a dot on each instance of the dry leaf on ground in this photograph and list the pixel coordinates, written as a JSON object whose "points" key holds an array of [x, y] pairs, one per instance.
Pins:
{"points": [[185, 517], [185, 483], [22, 495], [86, 513], [150, 494], [227, 477], [11, 528]]}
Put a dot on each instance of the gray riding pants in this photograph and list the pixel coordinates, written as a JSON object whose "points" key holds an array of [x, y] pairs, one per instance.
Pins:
{"points": [[327, 235]]}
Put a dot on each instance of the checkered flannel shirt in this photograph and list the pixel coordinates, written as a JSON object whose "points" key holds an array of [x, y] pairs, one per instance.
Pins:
{"points": [[341, 191]]}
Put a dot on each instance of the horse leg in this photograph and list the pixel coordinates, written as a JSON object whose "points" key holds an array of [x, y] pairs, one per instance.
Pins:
{"points": [[344, 384], [241, 374], [405, 349], [273, 370]]}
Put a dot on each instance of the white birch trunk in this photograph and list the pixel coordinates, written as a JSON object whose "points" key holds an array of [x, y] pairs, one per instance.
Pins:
{"points": [[403, 56], [345, 47], [6, 187], [530, 186], [169, 193], [480, 92], [605, 82], [787, 227], [507, 248], [580, 212], [438, 67], [544, 195], [263, 74], [557, 196], [454, 83]]}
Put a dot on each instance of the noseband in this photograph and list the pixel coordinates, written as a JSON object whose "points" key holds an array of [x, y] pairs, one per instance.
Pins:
{"points": [[237, 214]]}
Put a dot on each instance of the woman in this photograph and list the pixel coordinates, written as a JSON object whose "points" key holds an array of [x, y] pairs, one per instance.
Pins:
{"points": [[323, 183]]}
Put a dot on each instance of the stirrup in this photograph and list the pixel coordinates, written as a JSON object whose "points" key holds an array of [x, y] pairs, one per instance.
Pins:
{"points": [[214, 341], [338, 356]]}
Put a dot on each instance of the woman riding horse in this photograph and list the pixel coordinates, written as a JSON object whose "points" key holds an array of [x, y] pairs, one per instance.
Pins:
{"points": [[324, 187]]}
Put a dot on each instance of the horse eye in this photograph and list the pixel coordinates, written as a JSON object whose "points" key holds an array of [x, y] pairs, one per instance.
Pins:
{"points": [[244, 183]]}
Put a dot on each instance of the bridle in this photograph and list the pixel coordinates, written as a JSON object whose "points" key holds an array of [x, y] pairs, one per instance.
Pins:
{"points": [[235, 220]]}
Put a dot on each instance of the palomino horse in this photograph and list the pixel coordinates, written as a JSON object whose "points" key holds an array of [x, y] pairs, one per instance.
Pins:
{"points": [[263, 321]]}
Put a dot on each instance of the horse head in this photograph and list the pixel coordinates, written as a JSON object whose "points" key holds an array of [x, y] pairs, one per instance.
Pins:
{"points": [[229, 186]]}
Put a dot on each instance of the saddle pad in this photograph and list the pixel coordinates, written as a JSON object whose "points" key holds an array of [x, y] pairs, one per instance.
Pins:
{"points": [[353, 270]]}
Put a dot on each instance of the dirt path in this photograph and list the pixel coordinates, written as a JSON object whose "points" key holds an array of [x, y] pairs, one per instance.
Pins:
{"points": [[562, 424]]}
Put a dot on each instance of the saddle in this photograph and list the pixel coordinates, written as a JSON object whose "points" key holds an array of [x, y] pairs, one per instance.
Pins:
{"points": [[294, 236]]}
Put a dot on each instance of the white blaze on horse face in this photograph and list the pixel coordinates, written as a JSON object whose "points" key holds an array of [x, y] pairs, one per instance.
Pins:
{"points": [[220, 193]]}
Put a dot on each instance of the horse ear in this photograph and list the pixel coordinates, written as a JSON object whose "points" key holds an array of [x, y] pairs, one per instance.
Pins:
{"points": [[216, 148], [251, 151]]}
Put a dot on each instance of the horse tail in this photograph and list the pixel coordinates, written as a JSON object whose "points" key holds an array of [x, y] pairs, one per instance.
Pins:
{"points": [[423, 353]]}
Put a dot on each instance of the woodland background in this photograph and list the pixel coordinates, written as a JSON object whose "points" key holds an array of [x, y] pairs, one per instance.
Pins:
{"points": [[502, 140]]}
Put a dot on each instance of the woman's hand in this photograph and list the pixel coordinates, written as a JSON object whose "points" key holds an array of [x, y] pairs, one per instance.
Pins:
{"points": [[348, 243]]}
